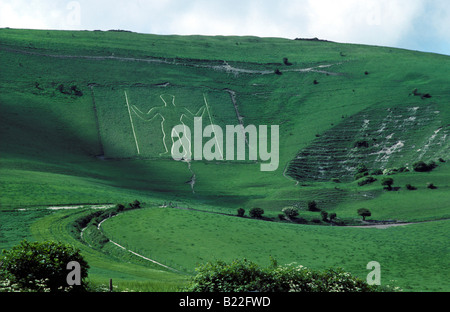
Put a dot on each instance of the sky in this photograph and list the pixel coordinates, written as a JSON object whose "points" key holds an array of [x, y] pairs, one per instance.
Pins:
{"points": [[422, 25]]}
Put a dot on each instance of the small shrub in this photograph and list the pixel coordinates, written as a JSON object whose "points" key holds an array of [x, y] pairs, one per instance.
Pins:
{"points": [[136, 204], [120, 207], [410, 187], [256, 212], [332, 216], [431, 186], [312, 206], [278, 72], [290, 212], [324, 216], [240, 212]]}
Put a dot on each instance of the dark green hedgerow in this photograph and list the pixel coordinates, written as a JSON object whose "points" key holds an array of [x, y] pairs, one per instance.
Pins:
{"points": [[245, 276], [90, 222]]}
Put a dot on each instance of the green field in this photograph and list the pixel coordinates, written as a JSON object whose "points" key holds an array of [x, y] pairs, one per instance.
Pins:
{"points": [[86, 119]]}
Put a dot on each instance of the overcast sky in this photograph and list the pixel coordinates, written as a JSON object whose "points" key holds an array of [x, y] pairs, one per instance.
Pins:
{"points": [[422, 25]]}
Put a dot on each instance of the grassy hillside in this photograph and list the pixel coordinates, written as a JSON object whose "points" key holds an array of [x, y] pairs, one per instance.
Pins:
{"points": [[86, 117]]}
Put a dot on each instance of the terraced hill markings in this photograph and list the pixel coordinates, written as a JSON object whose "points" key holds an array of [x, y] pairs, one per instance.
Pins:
{"points": [[379, 138]]}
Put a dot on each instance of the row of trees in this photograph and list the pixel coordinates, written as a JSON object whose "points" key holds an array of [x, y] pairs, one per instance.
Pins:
{"points": [[290, 213]]}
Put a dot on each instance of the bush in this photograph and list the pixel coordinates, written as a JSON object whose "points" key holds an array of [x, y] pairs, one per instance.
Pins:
{"points": [[410, 187], [42, 266], [240, 212], [312, 206], [135, 204], [421, 166], [247, 276], [290, 212], [431, 186], [120, 207], [387, 182], [332, 216], [256, 212], [324, 216]]}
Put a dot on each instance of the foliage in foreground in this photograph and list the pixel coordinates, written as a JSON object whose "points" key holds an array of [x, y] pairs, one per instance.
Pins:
{"points": [[246, 276], [41, 267]]}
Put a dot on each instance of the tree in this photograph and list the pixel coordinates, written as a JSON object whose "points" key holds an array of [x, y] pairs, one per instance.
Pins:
{"points": [[240, 212], [256, 212], [387, 182], [332, 216], [312, 206], [364, 212], [135, 204], [120, 207], [290, 212], [324, 215], [41, 266]]}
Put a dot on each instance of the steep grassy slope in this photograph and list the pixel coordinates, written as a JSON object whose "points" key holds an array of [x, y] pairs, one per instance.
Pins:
{"points": [[85, 117]]}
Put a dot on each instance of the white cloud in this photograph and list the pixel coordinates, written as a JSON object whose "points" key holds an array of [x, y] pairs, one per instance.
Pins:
{"points": [[377, 22], [372, 22]]}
